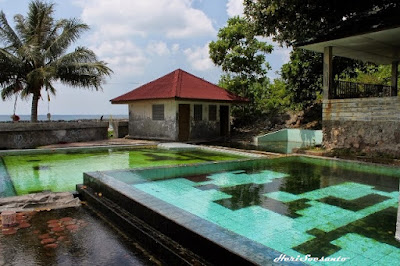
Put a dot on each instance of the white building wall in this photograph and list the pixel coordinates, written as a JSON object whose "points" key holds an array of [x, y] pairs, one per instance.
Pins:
{"points": [[141, 124]]}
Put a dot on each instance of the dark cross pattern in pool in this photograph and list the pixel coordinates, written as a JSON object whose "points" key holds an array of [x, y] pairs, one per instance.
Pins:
{"points": [[379, 226], [303, 179]]}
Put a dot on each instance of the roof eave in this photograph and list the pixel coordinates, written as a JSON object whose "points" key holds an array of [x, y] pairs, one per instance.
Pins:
{"points": [[236, 101], [244, 100]]}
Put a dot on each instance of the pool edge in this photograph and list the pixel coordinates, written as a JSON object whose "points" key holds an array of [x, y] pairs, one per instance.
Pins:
{"points": [[152, 210]]}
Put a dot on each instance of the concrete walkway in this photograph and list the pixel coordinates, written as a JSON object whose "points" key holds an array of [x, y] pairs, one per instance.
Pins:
{"points": [[106, 142]]}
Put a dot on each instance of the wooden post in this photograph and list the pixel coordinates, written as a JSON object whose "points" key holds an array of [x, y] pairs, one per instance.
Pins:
{"points": [[395, 73], [328, 74]]}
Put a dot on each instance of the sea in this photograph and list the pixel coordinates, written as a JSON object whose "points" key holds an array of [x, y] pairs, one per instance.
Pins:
{"points": [[7, 118]]}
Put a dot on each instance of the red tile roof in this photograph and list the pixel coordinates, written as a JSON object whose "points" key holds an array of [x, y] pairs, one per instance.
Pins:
{"points": [[180, 85]]}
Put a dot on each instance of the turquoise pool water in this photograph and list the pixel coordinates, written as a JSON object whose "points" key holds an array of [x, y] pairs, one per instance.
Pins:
{"points": [[61, 171], [299, 207]]}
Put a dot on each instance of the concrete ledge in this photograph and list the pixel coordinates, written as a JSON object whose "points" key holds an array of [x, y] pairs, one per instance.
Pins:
{"points": [[364, 109], [32, 135], [39, 201]]}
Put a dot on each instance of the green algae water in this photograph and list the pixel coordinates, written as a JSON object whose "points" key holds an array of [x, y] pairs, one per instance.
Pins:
{"points": [[23, 174]]}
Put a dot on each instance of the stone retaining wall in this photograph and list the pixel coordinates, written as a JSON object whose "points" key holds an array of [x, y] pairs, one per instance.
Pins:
{"points": [[31, 135], [369, 124]]}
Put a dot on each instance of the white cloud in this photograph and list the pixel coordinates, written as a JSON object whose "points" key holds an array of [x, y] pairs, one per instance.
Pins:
{"points": [[123, 57], [234, 8], [199, 58], [175, 48], [284, 53], [158, 48], [122, 18]]}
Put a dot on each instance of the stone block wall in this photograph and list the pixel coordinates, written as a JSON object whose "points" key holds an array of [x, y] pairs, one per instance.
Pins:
{"points": [[120, 129], [368, 124], [31, 135]]}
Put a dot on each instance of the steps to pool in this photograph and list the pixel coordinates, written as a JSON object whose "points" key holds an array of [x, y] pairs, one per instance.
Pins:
{"points": [[153, 240]]}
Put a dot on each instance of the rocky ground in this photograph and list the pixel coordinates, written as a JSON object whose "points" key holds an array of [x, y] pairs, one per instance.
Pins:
{"points": [[311, 118]]}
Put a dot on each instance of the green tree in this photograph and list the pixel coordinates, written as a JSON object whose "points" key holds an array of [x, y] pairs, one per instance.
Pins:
{"points": [[294, 21], [290, 21], [372, 74], [241, 56], [303, 75], [275, 97], [35, 55]]}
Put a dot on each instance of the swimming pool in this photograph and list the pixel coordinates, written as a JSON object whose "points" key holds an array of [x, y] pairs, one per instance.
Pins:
{"points": [[62, 170], [260, 209]]}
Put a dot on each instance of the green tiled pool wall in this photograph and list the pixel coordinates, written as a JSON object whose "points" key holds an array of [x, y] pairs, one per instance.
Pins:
{"points": [[324, 222], [354, 166], [188, 229], [6, 185], [132, 176]]}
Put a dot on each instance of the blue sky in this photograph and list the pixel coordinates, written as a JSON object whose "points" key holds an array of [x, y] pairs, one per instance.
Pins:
{"points": [[140, 41]]}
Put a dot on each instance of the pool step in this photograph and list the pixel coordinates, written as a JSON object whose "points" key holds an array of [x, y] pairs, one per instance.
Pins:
{"points": [[165, 249]]}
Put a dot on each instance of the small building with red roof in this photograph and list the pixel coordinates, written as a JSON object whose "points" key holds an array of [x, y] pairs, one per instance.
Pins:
{"points": [[180, 107]]}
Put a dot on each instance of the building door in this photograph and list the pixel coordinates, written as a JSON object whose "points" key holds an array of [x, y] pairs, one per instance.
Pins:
{"points": [[184, 122], [224, 120]]}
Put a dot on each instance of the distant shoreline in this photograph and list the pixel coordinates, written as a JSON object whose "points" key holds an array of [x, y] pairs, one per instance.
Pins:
{"points": [[7, 118]]}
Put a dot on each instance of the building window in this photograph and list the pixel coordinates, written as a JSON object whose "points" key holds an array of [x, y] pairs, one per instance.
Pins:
{"points": [[212, 112], [198, 112], [158, 111]]}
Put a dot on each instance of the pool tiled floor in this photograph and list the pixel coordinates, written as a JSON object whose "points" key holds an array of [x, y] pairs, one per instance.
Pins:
{"points": [[354, 220]]}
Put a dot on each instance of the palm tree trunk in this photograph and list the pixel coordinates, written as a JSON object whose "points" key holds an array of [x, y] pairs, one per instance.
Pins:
{"points": [[34, 110]]}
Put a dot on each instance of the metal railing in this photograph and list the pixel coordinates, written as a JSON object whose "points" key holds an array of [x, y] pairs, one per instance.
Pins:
{"points": [[346, 89]]}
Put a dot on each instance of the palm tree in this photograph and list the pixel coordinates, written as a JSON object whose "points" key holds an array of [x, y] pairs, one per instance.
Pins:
{"points": [[35, 55]]}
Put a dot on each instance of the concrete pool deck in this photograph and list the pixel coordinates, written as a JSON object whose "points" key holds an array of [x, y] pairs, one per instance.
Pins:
{"points": [[107, 142], [70, 236]]}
